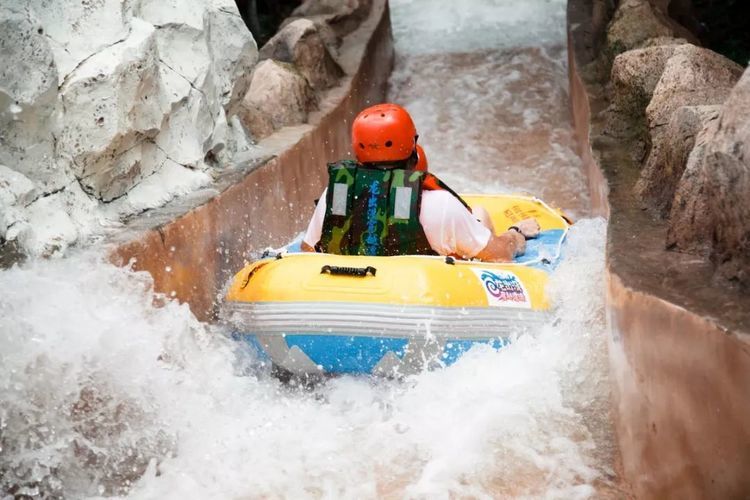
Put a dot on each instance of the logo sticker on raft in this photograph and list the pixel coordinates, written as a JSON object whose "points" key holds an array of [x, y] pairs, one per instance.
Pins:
{"points": [[503, 288]]}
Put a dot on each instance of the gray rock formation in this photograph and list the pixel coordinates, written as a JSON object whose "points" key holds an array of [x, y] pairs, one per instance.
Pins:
{"points": [[230, 56], [77, 30], [28, 99], [666, 162], [711, 208], [16, 191], [46, 228], [113, 103], [278, 96], [300, 43], [102, 95]]}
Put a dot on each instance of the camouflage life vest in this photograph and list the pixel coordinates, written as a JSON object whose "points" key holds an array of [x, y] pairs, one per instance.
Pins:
{"points": [[373, 211]]}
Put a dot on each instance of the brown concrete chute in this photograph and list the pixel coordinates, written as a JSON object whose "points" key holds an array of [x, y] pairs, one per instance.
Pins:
{"points": [[681, 386]]}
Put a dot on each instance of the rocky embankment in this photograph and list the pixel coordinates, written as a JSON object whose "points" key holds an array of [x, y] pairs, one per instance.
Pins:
{"points": [[112, 108], [664, 127], [683, 110]]}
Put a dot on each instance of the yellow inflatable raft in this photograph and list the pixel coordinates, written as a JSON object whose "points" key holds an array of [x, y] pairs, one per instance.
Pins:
{"points": [[316, 313]]}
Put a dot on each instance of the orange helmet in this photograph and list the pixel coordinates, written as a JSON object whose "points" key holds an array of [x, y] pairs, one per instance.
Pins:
{"points": [[421, 159], [384, 132]]}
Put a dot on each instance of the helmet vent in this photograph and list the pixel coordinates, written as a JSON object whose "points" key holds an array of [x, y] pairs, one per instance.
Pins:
{"points": [[388, 144], [361, 146], [382, 115]]}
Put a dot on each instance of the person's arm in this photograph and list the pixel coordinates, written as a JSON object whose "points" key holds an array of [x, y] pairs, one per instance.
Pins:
{"points": [[451, 229], [512, 243], [503, 248]]}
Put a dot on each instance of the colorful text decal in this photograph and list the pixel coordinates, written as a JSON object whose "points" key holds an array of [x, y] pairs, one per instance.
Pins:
{"points": [[503, 288]]}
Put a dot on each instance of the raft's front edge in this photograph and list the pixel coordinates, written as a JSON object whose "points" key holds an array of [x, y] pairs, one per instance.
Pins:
{"points": [[314, 338]]}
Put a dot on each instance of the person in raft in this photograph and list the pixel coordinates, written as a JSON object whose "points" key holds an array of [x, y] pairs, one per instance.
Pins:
{"points": [[387, 203]]}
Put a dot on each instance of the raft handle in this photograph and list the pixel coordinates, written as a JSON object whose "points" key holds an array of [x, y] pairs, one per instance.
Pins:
{"points": [[348, 271]]}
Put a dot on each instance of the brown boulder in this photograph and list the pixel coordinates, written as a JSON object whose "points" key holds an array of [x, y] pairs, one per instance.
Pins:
{"points": [[690, 224], [278, 96], [712, 206], [667, 160], [301, 44], [633, 78], [637, 21], [344, 16], [329, 36], [693, 76]]}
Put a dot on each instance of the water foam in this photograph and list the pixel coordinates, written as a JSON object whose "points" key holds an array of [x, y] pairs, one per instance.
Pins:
{"points": [[492, 117], [103, 385], [445, 26]]}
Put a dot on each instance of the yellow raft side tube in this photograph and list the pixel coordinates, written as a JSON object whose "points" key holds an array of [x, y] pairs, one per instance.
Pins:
{"points": [[406, 280], [312, 313]]}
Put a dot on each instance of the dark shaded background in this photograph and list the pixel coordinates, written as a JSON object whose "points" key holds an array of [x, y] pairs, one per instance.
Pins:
{"points": [[263, 17], [722, 25]]}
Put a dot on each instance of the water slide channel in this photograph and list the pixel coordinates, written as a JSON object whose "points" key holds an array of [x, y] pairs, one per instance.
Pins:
{"points": [[111, 392]]}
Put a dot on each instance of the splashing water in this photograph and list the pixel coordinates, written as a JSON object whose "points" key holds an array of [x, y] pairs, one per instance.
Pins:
{"points": [[492, 117], [106, 389], [447, 26], [102, 384]]}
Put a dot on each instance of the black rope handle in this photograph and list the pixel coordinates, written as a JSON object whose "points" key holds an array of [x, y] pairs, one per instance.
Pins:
{"points": [[348, 271]]}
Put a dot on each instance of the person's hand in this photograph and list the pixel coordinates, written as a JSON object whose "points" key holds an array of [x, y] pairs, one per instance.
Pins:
{"points": [[529, 228]]}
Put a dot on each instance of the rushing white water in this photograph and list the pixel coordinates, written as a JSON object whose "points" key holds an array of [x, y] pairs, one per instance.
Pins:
{"points": [[106, 390], [492, 116], [447, 26], [98, 381]]}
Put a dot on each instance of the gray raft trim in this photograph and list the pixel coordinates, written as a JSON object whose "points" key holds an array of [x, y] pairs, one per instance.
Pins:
{"points": [[380, 320]]}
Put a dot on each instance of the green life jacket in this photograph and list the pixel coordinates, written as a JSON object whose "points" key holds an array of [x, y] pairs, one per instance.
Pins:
{"points": [[373, 211]]}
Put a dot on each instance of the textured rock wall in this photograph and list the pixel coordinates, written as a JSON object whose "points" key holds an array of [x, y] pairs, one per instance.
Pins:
{"points": [[666, 163], [100, 97], [712, 205], [192, 250], [112, 107], [667, 102]]}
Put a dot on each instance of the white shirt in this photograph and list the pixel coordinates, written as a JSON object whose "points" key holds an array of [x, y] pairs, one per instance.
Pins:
{"points": [[450, 228]]}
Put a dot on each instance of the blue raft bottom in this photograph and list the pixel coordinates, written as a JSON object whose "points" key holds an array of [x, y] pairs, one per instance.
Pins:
{"points": [[361, 354]]}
